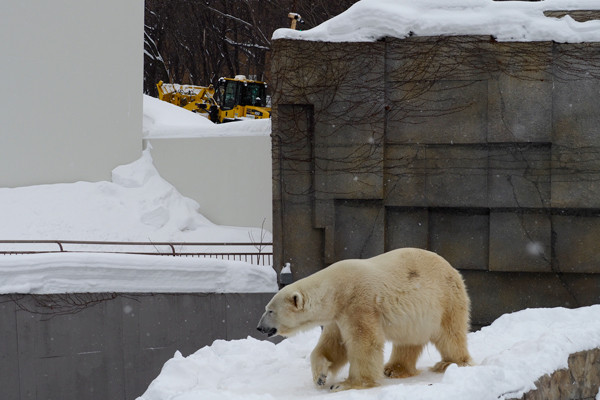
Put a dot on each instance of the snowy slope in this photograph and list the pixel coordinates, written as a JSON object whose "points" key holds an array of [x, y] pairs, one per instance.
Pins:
{"points": [[165, 120], [511, 355], [370, 20], [160, 116]]}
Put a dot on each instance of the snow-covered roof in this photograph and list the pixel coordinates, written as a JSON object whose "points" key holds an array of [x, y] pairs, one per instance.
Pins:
{"points": [[520, 21]]}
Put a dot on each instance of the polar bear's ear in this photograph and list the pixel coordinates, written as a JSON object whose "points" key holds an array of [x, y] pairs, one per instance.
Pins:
{"points": [[297, 300]]}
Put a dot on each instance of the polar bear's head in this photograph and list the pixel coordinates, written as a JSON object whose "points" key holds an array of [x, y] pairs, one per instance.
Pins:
{"points": [[287, 313]]}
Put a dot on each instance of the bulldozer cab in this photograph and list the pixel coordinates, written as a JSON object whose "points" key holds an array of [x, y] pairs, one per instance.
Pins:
{"points": [[241, 92]]}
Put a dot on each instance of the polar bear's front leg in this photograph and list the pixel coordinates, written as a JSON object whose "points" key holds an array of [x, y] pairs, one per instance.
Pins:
{"points": [[329, 355], [365, 353], [320, 369]]}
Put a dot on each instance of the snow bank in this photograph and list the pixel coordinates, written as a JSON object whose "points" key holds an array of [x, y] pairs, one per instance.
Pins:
{"points": [[126, 273], [165, 120], [511, 355], [370, 20]]}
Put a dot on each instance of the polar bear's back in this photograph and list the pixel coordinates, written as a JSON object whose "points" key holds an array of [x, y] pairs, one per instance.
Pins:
{"points": [[414, 290], [400, 265], [410, 259]]}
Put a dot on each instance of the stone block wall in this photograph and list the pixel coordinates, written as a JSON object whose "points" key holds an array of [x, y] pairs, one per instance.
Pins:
{"points": [[487, 153], [581, 381]]}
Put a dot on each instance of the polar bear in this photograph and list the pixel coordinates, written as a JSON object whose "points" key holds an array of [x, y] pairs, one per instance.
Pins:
{"points": [[407, 296]]}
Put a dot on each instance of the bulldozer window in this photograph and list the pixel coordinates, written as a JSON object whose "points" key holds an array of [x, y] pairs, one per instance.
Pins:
{"points": [[231, 95], [254, 95]]}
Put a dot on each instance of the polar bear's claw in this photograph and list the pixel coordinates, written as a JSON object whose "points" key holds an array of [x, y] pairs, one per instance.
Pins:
{"points": [[321, 380]]}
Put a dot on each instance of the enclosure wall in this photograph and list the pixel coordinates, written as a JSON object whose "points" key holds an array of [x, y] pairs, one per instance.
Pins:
{"points": [[484, 152], [110, 346]]}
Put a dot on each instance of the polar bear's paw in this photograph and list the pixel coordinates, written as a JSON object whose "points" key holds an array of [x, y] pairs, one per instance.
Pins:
{"points": [[320, 368], [348, 384], [399, 371]]}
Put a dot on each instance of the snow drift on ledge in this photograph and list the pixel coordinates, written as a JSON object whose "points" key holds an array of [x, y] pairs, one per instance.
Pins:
{"points": [[129, 273], [370, 20], [511, 355]]}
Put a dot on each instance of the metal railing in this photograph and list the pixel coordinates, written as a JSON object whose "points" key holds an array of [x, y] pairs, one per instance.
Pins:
{"points": [[253, 253]]}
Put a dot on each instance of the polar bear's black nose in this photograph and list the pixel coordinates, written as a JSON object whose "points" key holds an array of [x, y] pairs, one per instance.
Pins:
{"points": [[269, 331]]}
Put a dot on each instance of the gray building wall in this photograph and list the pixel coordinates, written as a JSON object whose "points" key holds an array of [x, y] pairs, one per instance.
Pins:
{"points": [[71, 104], [484, 152], [110, 346]]}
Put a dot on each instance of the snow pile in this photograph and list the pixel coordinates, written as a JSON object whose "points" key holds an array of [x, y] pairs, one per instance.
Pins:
{"points": [[511, 355], [138, 205], [370, 20], [165, 120]]}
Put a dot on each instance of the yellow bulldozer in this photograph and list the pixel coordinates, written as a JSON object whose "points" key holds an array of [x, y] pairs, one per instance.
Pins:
{"points": [[233, 99]]}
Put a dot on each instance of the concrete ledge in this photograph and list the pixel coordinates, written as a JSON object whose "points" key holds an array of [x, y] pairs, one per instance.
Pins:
{"points": [[110, 345], [579, 382]]}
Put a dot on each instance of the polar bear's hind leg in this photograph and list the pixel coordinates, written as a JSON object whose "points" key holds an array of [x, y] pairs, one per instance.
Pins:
{"points": [[403, 361]]}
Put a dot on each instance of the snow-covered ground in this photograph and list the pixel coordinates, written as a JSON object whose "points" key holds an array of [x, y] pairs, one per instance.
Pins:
{"points": [[369, 20], [137, 205], [511, 355]]}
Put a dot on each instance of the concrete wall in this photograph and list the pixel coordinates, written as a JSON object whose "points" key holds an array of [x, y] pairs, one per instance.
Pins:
{"points": [[110, 346], [484, 152], [229, 176], [71, 103]]}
